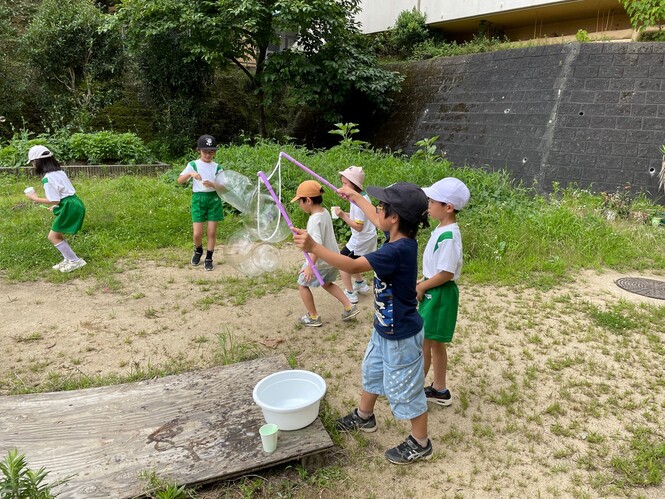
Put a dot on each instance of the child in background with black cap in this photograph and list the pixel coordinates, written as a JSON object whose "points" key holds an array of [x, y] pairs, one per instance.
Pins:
{"points": [[206, 205], [437, 291], [393, 364]]}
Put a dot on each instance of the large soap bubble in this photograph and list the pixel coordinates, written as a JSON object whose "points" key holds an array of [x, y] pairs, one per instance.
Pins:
{"points": [[264, 221], [239, 189], [251, 257]]}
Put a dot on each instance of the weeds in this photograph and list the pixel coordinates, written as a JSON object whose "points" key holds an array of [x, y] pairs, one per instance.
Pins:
{"points": [[159, 488], [18, 481], [230, 350]]}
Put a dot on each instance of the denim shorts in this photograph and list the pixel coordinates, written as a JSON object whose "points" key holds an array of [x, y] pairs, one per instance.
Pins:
{"points": [[396, 369]]}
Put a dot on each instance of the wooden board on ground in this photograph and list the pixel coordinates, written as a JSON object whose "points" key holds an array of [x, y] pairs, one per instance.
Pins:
{"points": [[191, 428]]}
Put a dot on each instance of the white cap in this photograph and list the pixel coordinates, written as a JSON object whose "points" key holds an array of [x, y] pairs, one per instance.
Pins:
{"points": [[38, 152], [450, 191]]}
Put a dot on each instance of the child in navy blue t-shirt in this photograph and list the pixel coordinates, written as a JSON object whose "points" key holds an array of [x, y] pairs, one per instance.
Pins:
{"points": [[393, 363]]}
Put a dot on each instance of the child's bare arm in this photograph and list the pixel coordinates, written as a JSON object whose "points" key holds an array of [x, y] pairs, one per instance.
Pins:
{"points": [[355, 197], [303, 240], [348, 221], [436, 280], [186, 176]]}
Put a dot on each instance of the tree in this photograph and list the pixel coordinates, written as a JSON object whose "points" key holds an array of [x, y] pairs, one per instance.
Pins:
{"points": [[644, 13], [241, 33], [15, 84], [75, 59]]}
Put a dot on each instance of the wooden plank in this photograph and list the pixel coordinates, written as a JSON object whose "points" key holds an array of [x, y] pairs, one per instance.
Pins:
{"points": [[192, 428]]}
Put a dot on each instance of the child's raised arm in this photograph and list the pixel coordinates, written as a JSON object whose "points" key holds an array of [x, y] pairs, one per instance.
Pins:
{"points": [[305, 242], [356, 198]]}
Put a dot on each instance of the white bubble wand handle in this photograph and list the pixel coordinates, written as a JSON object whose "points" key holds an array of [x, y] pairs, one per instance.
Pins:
{"points": [[282, 210]]}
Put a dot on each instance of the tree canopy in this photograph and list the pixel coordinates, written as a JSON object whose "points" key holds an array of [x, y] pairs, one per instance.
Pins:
{"points": [[325, 66]]}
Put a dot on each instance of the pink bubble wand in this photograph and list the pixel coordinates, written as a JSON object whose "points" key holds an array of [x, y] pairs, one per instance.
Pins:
{"points": [[304, 168], [282, 154], [282, 210]]}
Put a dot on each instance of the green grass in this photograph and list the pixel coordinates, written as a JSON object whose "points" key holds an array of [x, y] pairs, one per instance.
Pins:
{"points": [[511, 234]]}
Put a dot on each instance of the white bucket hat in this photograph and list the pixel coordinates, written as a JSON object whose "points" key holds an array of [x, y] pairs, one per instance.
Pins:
{"points": [[355, 175], [450, 191], [38, 152]]}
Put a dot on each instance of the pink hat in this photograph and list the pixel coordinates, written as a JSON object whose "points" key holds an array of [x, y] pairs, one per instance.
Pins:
{"points": [[355, 175]]}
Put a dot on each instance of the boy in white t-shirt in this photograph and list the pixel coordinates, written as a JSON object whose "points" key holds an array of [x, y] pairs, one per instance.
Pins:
{"points": [[309, 197], [363, 233], [206, 204], [437, 291]]}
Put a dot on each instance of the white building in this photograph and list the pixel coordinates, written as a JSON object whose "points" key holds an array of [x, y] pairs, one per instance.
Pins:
{"points": [[517, 19]]}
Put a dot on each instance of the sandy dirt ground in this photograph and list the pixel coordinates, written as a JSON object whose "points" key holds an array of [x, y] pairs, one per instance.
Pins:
{"points": [[527, 368]]}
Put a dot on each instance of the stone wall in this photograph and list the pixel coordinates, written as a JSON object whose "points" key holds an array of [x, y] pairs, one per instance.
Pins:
{"points": [[592, 114]]}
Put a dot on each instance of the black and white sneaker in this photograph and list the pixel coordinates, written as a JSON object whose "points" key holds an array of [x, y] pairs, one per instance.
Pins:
{"points": [[353, 422], [409, 452], [443, 397], [196, 258], [207, 264]]}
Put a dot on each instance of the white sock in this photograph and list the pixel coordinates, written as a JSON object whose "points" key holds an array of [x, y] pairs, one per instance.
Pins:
{"points": [[67, 252], [421, 442]]}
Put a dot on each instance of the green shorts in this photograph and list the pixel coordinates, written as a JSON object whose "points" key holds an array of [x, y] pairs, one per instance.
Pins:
{"points": [[439, 312], [206, 207], [69, 215]]}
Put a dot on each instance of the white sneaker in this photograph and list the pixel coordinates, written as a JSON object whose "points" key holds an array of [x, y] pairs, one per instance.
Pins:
{"points": [[352, 296], [361, 287], [61, 264], [73, 265]]}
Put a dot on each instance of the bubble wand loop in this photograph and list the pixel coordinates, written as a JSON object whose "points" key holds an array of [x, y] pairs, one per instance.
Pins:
{"points": [[280, 206]]}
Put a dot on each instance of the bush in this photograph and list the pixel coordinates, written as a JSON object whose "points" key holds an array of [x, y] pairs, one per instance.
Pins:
{"points": [[410, 30], [92, 148], [107, 147], [653, 36]]}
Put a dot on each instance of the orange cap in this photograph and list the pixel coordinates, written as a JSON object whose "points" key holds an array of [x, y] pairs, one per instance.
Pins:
{"points": [[308, 189]]}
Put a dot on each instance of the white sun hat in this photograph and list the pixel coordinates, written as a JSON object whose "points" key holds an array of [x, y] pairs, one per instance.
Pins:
{"points": [[355, 175], [38, 152]]}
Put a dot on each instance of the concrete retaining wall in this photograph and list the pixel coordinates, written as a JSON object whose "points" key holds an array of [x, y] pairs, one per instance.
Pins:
{"points": [[591, 114]]}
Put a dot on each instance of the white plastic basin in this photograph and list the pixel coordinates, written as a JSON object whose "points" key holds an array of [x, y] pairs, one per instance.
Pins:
{"points": [[290, 399]]}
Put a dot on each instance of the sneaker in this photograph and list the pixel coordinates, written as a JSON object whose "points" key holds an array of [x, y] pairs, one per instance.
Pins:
{"points": [[351, 313], [443, 397], [207, 264], [361, 287], [196, 258], [353, 422], [352, 296], [61, 264], [307, 320], [72, 265], [409, 452]]}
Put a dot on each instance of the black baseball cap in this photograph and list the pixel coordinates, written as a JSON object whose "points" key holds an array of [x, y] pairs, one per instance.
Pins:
{"points": [[207, 143], [406, 199]]}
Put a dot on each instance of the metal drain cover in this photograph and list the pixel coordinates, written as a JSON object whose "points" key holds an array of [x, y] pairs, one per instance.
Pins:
{"points": [[641, 286]]}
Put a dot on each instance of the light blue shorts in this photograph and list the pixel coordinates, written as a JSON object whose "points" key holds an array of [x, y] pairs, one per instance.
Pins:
{"points": [[396, 369], [328, 275]]}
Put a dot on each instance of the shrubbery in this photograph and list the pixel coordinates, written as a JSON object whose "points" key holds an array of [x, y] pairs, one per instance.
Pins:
{"points": [[92, 148]]}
